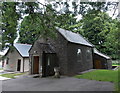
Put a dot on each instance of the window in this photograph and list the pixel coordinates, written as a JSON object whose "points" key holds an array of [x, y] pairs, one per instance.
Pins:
{"points": [[88, 54], [48, 61], [7, 60], [79, 55]]}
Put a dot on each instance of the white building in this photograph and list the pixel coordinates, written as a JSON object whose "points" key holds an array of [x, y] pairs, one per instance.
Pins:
{"points": [[17, 60]]}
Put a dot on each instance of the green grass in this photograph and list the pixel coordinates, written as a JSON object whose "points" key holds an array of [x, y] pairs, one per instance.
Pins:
{"points": [[1, 68], [115, 65], [102, 75], [11, 75]]}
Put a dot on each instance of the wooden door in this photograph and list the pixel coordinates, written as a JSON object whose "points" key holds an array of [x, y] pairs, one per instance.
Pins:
{"points": [[18, 65], [36, 65], [98, 64]]}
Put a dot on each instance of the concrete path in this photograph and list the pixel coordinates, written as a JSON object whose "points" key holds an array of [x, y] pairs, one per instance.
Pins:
{"points": [[4, 78], [6, 72], [26, 83]]}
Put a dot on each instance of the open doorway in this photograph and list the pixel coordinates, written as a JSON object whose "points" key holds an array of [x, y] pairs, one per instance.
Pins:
{"points": [[18, 64], [48, 64]]}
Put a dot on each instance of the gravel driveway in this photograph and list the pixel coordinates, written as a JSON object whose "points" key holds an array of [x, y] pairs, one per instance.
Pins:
{"points": [[26, 83]]}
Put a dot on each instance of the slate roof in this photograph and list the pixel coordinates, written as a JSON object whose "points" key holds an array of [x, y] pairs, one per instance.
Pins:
{"points": [[23, 49], [74, 37], [101, 54]]}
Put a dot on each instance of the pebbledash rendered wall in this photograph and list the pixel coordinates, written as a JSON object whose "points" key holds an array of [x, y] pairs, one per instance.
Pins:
{"points": [[13, 60], [66, 53]]}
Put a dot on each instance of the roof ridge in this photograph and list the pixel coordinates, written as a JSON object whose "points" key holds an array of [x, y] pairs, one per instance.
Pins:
{"points": [[101, 53], [22, 49], [84, 38], [74, 37]]}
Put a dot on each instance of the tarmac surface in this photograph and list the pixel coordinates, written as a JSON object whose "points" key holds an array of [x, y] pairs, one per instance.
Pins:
{"points": [[28, 83]]}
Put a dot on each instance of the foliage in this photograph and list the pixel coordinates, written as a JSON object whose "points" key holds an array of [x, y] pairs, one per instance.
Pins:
{"points": [[28, 30], [113, 40], [38, 20], [66, 21], [115, 62], [37, 25], [95, 27], [102, 75], [9, 23]]}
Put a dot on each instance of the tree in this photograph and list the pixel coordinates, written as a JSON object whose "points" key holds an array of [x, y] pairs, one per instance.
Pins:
{"points": [[37, 24], [9, 23], [113, 40], [95, 25], [50, 17]]}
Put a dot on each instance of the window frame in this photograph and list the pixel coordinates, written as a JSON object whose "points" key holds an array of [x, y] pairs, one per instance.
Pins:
{"points": [[79, 55], [88, 54]]}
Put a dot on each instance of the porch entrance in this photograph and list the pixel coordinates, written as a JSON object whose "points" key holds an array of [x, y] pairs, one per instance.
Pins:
{"points": [[36, 65], [98, 64], [48, 64]]}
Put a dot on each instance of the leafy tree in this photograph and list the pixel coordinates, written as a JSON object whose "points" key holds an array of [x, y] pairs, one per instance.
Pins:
{"points": [[66, 21], [113, 40], [95, 25], [64, 18], [37, 25], [9, 23]]}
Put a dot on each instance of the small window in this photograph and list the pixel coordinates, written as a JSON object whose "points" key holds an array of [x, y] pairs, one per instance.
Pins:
{"points": [[88, 54], [79, 55], [48, 61], [7, 61]]}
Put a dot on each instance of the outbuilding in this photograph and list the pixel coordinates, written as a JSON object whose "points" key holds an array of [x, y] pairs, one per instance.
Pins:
{"points": [[101, 61], [69, 51], [18, 59]]}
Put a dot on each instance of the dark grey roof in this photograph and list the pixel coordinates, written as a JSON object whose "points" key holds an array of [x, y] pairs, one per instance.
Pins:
{"points": [[101, 54], [74, 37], [23, 49]]}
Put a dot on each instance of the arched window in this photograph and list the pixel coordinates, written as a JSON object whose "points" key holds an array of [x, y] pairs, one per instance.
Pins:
{"points": [[88, 54], [48, 61], [79, 58]]}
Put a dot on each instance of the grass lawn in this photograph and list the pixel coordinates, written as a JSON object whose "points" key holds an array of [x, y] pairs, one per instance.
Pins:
{"points": [[1, 68], [11, 75], [102, 75], [115, 65]]}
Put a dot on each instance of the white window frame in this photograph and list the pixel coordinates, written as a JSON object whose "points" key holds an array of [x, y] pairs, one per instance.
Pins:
{"points": [[79, 54]]}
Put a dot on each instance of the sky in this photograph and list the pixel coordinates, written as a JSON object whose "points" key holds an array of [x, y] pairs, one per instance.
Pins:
{"points": [[77, 1]]}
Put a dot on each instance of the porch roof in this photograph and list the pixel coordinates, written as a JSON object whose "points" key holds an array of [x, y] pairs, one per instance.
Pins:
{"points": [[101, 54], [47, 48]]}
